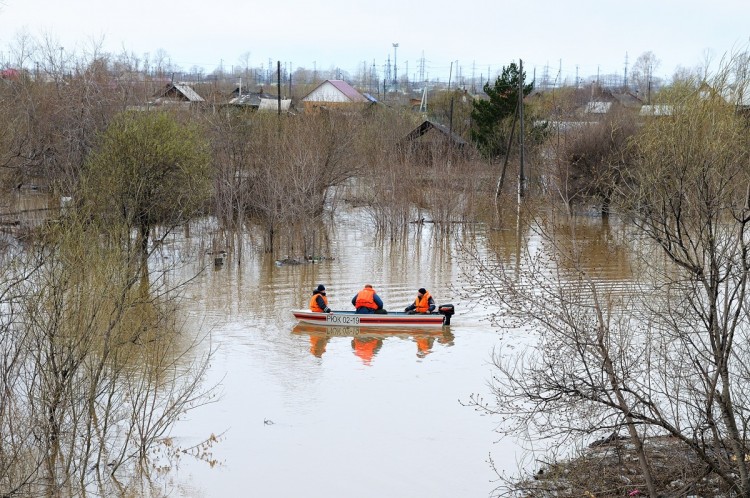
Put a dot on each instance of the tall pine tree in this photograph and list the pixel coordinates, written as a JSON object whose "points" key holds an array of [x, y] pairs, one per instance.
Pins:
{"points": [[492, 119]]}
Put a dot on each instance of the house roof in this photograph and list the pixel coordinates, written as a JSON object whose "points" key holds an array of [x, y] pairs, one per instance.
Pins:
{"points": [[627, 99], [656, 110], [10, 74], [428, 125], [250, 99], [604, 100], [339, 86], [348, 90], [261, 101], [597, 107], [182, 91]]}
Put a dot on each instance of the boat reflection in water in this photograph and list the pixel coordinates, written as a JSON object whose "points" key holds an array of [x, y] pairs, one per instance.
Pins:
{"points": [[366, 342]]}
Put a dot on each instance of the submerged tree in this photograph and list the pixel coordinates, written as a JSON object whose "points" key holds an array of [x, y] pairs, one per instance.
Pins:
{"points": [[290, 166], [667, 356], [148, 169], [94, 372], [593, 159]]}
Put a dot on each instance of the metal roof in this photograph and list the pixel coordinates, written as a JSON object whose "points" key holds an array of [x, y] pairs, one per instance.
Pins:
{"points": [[348, 90], [598, 107], [188, 92], [183, 90], [343, 88], [656, 110]]}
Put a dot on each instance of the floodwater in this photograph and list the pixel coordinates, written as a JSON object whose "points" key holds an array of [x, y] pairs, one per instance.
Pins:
{"points": [[309, 412]]}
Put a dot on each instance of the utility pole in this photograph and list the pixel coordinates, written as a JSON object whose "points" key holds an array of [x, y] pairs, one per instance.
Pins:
{"points": [[521, 178], [278, 84], [473, 76], [395, 66]]}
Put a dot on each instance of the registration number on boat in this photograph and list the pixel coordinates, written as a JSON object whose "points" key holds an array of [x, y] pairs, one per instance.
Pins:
{"points": [[342, 319]]}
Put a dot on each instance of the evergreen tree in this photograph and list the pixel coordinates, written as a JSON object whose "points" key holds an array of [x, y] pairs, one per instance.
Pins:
{"points": [[492, 119]]}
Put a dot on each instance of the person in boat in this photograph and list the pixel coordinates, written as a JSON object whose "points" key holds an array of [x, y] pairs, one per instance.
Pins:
{"points": [[367, 301], [422, 304], [319, 300]]}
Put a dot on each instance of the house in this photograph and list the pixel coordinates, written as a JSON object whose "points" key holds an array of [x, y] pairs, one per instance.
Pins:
{"points": [[272, 104], [432, 132], [334, 94], [597, 107], [431, 141], [259, 101], [179, 94], [607, 101], [656, 110], [10, 74]]}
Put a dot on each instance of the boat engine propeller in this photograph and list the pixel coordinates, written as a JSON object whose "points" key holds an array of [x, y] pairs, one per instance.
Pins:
{"points": [[447, 311]]}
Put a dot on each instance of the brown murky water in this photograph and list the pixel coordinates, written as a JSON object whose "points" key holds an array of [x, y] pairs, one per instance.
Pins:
{"points": [[311, 412], [314, 412]]}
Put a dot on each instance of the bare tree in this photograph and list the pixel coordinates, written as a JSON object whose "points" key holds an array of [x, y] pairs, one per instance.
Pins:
{"points": [[50, 127], [643, 75], [592, 159], [94, 371], [292, 165], [666, 358]]}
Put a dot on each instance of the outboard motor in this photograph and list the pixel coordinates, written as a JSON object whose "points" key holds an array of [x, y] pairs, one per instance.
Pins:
{"points": [[447, 311]]}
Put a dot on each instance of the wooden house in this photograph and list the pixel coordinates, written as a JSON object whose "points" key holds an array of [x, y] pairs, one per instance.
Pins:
{"points": [[432, 142], [177, 94], [334, 94], [606, 101], [259, 101]]}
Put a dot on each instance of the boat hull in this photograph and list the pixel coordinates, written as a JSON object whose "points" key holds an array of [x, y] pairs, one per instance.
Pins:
{"points": [[396, 319]]}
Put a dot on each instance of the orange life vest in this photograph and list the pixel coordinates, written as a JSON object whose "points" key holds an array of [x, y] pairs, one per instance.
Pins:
{"points": [[365, 299], [422, 304], [314, 303]]}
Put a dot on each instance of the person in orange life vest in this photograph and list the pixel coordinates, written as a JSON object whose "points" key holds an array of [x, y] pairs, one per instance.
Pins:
{"points": [[319, 300], [422, 304], [367, 301]]}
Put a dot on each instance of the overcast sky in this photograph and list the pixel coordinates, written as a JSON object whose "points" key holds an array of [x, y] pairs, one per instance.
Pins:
{"points": [[573, 37]]}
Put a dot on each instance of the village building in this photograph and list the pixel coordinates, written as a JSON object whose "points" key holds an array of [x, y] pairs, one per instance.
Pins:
{"points": [[430, 142], [177, 94], [259, 101], [335, 94]]}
